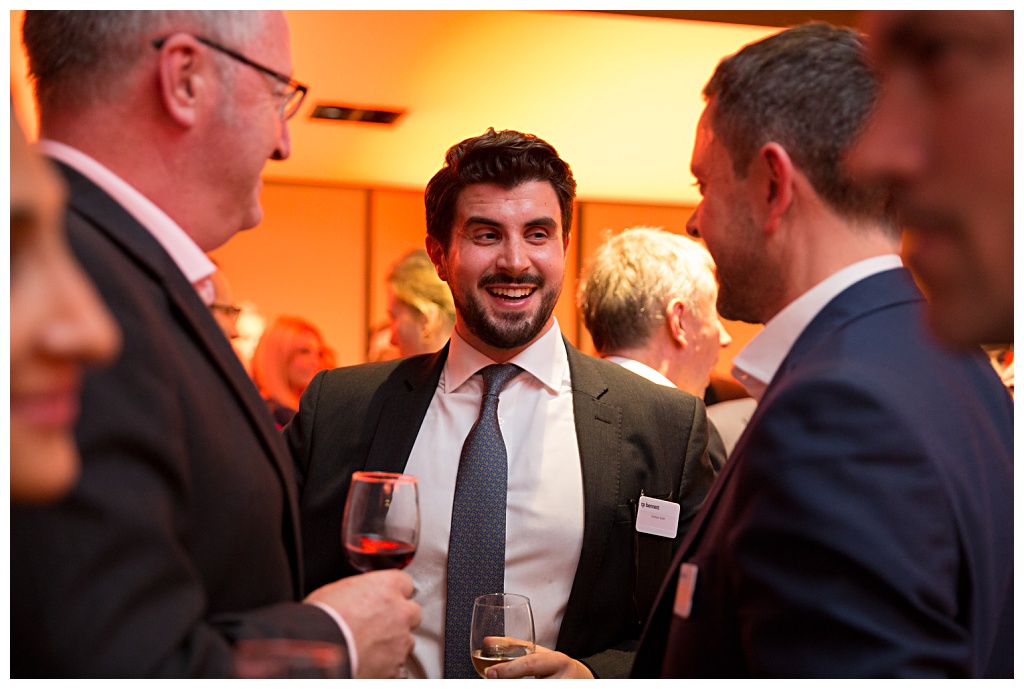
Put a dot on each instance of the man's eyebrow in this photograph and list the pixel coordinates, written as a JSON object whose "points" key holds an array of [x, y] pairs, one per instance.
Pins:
{"points": [[544, 221], [482, 220]]}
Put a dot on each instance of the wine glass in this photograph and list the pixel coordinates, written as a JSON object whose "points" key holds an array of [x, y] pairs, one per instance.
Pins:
{"points": [[381, 526], [290, 659], [501, 630]]}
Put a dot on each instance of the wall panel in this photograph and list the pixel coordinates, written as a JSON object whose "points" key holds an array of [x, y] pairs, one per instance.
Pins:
{"points": [[397, 225], [306, 259]]}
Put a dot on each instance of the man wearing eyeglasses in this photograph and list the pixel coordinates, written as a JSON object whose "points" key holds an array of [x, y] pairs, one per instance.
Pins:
{"points": [[181, 536]]}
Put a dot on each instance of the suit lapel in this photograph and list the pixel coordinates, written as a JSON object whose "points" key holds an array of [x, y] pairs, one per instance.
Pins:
{"points": [[412, 387], [598, 433], [882, 290], [135, 240], [878, 291]]}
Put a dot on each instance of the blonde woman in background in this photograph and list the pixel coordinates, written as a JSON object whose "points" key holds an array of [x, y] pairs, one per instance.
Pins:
{"points": [[420, 306], [290, 352]]}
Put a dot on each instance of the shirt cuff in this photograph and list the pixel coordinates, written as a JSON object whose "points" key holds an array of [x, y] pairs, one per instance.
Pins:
{"points": [[350, 642]]}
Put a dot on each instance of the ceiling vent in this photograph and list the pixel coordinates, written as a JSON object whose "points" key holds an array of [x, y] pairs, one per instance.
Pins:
{"points": [[352, 113]]}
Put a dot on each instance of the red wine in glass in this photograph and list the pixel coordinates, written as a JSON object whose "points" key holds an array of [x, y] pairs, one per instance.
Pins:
{"points": [[380, 529], [373, 552]]}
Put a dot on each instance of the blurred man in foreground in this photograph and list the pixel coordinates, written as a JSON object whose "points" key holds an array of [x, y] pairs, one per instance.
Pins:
{"points": [[181, 535], [942, 135]]}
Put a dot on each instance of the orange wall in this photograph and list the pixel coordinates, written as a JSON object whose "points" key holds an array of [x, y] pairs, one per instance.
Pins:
{"points": [[399, 225], [307, 259], [323, 253]]}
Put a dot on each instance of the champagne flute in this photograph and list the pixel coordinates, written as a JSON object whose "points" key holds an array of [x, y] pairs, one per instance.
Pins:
{"points": [[381, 526], [501, 630]]}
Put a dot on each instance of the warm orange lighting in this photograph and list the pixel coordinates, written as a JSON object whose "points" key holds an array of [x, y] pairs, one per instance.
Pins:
{"points": [[618, 96]]}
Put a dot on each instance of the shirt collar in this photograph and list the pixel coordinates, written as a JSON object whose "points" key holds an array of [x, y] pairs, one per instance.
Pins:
{"points": [[641, 369], [183, 250], [756, 364], [545, 360]]}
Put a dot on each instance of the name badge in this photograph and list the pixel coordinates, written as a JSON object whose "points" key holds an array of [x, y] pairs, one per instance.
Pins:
{"points": [[657, 517], [684, 590]]}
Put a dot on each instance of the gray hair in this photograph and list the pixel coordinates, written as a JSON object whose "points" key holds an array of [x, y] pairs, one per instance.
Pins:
{"points": [[633, 277], [78, 58], [810, 89]]}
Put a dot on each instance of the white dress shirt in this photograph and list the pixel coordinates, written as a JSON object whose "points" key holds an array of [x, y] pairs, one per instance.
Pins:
{"points": [[544, 517], [641, 369], [186, 254], [756, 364]]}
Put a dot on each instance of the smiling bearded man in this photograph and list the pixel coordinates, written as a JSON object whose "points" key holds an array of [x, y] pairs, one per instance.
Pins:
{"points": [[571, 441]]}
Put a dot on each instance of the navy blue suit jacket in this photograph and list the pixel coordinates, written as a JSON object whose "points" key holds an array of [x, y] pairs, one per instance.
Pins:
{"points": [[863, 526]]}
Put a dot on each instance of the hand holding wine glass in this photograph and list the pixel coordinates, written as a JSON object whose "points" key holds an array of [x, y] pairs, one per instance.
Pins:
{"points": [[501, 630], [381, 525]]}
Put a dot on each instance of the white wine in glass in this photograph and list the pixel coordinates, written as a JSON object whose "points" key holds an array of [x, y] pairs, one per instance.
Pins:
{"points": [[381, 526], [501, 630]]}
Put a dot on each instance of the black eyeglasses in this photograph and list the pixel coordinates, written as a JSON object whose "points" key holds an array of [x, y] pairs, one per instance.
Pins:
{"points": [[229, 310], [291, 99]]}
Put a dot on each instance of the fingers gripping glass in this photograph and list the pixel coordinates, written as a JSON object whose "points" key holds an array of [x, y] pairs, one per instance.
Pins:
{"points": [[295, 92]]}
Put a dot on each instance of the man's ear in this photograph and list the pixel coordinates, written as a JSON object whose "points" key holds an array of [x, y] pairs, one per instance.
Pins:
{"points": [[181, 82], [776, 183], [430, 320], [674, 312], [437, 257]]}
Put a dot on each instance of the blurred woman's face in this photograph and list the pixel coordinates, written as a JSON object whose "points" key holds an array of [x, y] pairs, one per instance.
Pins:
{"points": [[57, 324], [306, 361], [408, 328]]}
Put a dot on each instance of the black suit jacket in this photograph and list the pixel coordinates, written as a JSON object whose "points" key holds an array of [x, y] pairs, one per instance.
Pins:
{"points": [[632, 435], [182, 532], [863, 525]]}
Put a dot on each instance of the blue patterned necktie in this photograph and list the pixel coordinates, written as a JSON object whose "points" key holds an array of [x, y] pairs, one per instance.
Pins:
{"points": [[476, 549]]}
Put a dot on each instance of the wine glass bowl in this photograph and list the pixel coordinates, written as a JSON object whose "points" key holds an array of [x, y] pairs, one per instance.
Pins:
{"points": [[501, 630], [381, 525]]}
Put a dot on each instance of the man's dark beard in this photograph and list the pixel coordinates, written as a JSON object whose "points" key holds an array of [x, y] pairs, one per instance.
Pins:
{"points": [[508, 331]]}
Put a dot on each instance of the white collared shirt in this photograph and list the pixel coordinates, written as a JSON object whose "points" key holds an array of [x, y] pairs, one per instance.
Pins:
{"points": [[187, 255], [544, 517], [641, 369], [756, 364]]}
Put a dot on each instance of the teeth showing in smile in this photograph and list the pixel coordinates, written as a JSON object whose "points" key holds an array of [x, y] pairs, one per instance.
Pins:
{"points": [[512, 292]]}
